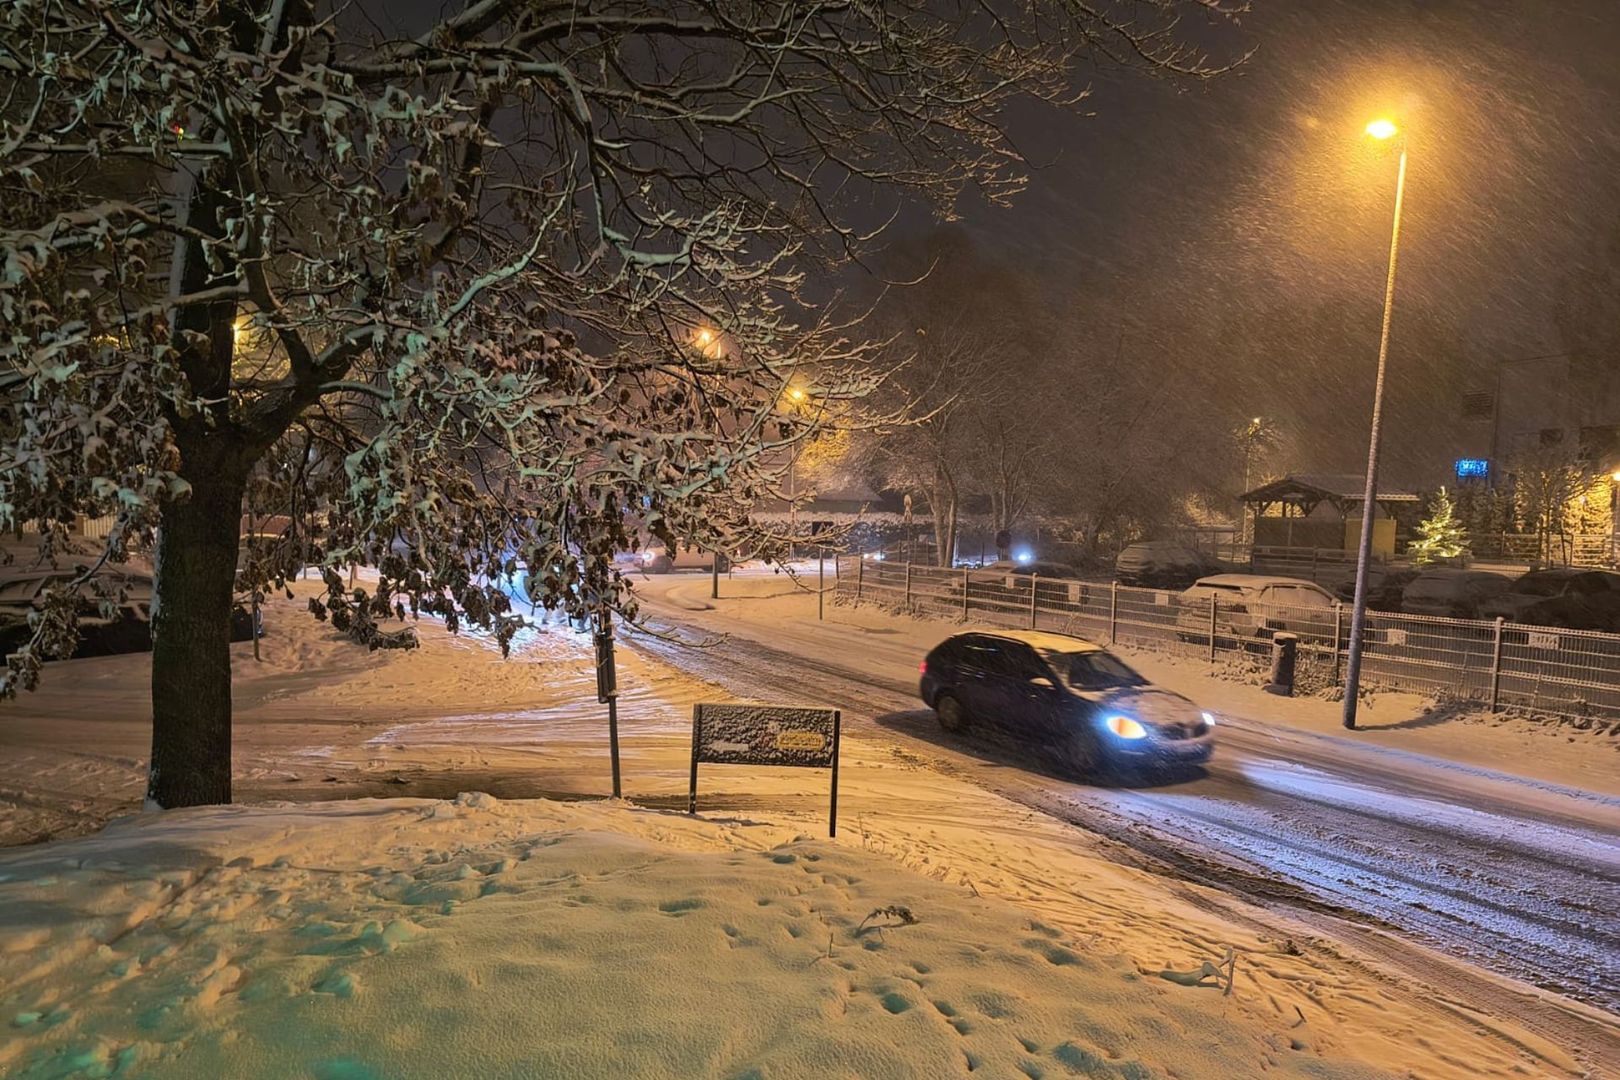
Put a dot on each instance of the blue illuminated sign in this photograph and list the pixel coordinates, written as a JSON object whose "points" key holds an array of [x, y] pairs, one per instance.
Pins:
{"points": [[1473, 467]]}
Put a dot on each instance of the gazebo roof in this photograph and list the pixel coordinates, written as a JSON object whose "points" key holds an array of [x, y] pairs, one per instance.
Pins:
{"points": [[1309, 489]]}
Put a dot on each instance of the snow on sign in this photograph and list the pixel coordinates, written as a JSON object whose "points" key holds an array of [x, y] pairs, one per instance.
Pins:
{"points": [[766, 735]]}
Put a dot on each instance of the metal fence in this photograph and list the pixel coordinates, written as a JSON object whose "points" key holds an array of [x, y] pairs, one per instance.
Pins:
{"points": [[1573, 673], [1591, 550]]}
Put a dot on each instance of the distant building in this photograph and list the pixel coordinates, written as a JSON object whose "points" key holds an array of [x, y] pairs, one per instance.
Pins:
{"points": [[1534, 403]]}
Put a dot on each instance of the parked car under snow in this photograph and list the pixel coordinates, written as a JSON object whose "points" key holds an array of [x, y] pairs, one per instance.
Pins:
{"points": [[1566, 597], [1162, 564], [129, 592]]}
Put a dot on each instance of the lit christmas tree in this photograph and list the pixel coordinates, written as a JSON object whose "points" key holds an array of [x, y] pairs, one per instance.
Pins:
{"points": [[1440, 535]]}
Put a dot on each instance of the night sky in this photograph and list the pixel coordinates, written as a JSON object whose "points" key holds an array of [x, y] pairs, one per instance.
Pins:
{"points": [[1235, 231], [1240, 227]]}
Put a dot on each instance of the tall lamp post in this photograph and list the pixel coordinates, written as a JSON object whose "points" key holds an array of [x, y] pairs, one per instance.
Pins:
{"points": [[796, 397], [1378, 129]]}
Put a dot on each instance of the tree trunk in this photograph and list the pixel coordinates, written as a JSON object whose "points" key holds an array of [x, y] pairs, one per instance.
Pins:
{"points": [[191, 632]]}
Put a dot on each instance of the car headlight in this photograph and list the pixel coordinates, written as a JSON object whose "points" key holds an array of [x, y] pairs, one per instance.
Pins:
{"points": [[1209, 718], [1125, 727]]}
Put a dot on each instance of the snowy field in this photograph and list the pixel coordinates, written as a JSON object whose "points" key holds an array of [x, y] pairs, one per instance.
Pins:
{"points": [[427, 935]]}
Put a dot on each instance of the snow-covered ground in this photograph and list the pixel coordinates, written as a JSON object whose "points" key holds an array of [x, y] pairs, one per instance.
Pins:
{"points": [[412, 937]]}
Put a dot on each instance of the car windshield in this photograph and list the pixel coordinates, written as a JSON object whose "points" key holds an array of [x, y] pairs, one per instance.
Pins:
{"points": [[1094, 670]]}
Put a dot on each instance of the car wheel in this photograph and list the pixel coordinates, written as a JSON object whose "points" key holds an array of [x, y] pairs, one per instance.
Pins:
{"points": [[1082, 758], [952, 717]]}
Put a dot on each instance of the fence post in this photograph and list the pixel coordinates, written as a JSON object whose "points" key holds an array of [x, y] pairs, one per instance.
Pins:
{"points": [[1338, 637], [908, 587], [1034, 590], [964, 594], [1496, 665], [1213, 604], [860, 574], [1113, 612]]}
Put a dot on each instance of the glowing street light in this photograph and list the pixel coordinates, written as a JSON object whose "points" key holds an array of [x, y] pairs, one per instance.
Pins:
{"points": [[796, 396], [1379, 129]]}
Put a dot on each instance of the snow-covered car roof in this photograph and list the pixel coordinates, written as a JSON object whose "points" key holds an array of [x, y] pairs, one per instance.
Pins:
{"points": [[1250, 581], [1044, 639]]}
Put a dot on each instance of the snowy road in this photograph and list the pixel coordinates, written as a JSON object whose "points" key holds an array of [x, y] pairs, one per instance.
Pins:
{"points": [[1515, 877]]}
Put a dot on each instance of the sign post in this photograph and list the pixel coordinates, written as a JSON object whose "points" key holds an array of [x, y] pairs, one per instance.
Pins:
{"points": [[766, 735], [821, 582], [607, 687]]}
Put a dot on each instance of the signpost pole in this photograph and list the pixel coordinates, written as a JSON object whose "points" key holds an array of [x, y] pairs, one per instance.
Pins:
{"points": [[832, 809], [613, 740], [697, 735], [607, 688], [821, 582]]}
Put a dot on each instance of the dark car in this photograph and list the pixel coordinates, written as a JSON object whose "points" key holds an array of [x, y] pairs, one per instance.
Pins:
{"points": [[1566, 597], [1452, 594], [1062, 698], [129, 629], [1162, 564], [1386, 587]]}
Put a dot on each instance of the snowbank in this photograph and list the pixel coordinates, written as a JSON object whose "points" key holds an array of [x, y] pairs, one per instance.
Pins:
{"points": [[413, 938]]}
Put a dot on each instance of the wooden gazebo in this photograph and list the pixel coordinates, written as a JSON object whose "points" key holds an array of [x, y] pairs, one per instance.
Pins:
{"points": [[1322, 510]]}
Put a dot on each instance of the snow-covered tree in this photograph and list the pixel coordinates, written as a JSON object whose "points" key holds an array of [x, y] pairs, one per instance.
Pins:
{"points": [[1441, 535], [1548, 482], [457, 296]]}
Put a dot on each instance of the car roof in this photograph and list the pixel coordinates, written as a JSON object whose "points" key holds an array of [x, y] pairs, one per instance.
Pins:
{"points": [[1158, 544], [1251, 581], [1457, 573], [1040, 639]]}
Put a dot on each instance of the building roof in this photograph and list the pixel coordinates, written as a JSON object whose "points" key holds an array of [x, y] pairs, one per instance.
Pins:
{"points": [[1312, 488]]}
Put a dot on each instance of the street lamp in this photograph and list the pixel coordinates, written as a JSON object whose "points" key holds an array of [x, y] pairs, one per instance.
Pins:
{"points": [[797, 396], [1378, 129]]}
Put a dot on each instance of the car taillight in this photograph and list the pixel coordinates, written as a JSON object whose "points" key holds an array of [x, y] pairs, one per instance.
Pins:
{"points": [[922, 668]]}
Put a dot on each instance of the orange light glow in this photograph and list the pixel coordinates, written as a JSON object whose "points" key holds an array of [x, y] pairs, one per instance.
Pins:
{"points": [[1382, 128]]}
